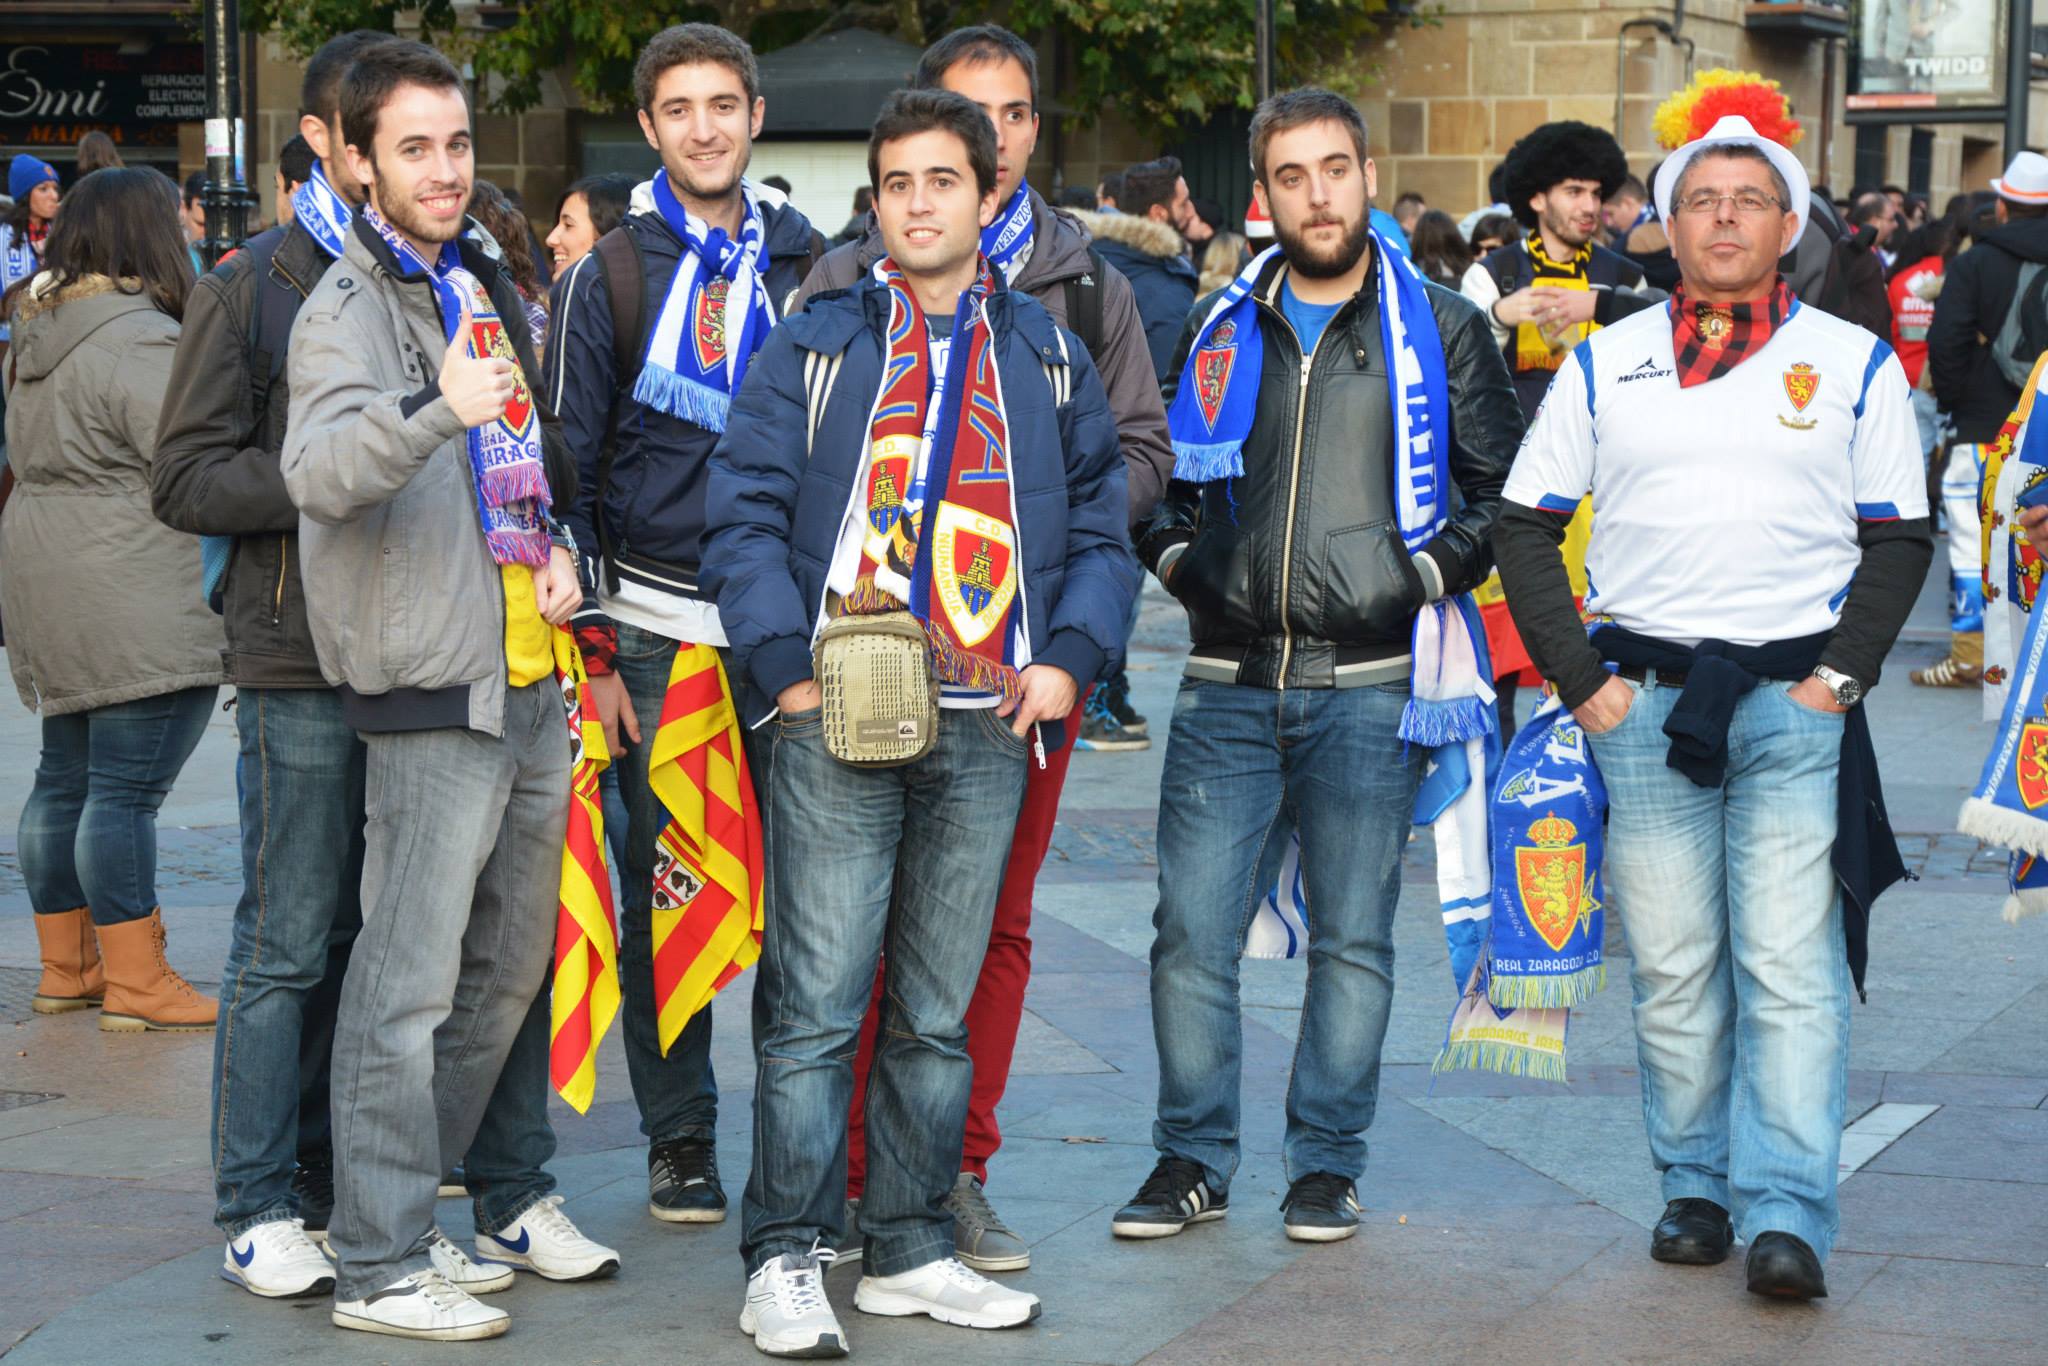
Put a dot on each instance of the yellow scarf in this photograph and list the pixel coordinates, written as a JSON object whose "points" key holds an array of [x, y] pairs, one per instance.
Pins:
{"points": [[1533, 350]]}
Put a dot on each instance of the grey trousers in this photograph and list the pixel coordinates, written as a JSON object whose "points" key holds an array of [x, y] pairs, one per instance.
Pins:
{"points": [[461, 875]]}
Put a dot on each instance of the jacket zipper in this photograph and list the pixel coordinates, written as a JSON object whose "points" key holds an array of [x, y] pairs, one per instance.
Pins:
{"points": [[284, 548], [1294, 491]]}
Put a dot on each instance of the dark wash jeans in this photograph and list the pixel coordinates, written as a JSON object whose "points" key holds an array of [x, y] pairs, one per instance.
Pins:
{"points": [[301, 779], [1330, 761], [905, 861], [88, 829]]}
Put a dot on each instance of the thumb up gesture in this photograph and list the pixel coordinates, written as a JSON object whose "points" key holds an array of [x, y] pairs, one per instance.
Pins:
{"points": [[476, 387]]}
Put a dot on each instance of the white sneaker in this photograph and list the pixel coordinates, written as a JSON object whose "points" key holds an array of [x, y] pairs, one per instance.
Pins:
{"points": [[543, 1241], [786, 1309], [470, 1277], [425, 1306], [948, 1292], [277, 1261]]}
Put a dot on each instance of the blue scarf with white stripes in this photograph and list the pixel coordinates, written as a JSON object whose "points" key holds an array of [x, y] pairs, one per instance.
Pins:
{"points": [[714, 318]]}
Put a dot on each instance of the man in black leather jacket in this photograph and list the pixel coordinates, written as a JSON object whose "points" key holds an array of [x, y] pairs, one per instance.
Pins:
{"points": [[1302, 598]]}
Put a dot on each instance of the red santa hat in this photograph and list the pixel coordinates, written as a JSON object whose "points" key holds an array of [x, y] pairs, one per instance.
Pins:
{"points": [[1257, 225]]}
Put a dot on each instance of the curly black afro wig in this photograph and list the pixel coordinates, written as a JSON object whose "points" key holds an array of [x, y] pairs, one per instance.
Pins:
{"points": [[1554, 152]]}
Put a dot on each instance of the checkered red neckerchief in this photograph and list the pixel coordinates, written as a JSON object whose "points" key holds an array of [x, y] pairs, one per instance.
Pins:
{"points": [[1743, 329]]}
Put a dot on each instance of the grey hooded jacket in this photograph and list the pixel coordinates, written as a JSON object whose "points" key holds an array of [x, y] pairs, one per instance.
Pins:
{"points": [[1061, 254], [103, 603], [406, 604]]}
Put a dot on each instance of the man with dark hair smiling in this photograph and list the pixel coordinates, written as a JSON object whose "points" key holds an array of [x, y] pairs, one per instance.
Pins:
{"points": [[653, 331], [1046, 254], [424, 472], [1328, 364], [926, 454], [1762, 534]]}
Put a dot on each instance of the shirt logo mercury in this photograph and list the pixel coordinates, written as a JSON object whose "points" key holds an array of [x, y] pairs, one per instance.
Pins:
{"points": [[1647, 370]]}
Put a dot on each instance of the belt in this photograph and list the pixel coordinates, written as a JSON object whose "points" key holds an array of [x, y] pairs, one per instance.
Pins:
{"points": [[1651, 678]]}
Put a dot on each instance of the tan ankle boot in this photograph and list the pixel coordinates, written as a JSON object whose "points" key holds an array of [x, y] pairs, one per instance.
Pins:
{"points": [[72, 977], [143, 990]]}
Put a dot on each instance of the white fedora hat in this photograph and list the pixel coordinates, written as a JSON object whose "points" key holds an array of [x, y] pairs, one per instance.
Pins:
{"points": [[2025, 180], [1735, 130]]}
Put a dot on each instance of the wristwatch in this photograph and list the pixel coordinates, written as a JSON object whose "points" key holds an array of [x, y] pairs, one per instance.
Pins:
{"points": [[1848, 692]]}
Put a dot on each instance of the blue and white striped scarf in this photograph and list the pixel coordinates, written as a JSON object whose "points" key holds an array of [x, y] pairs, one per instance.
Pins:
{"points": [[714, 318], [322, 212], [1006, 241]]}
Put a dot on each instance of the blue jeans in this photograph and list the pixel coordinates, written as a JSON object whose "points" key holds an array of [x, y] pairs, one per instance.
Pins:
{"points": [[1741, 982], [506, 1166], [906, 861], [677, 1094], [88, 829], [301, 780], [462, 869], [1330, 762]]}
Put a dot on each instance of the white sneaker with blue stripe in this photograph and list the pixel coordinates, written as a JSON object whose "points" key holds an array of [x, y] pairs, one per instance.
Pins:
{"points": [[276, 1260]]}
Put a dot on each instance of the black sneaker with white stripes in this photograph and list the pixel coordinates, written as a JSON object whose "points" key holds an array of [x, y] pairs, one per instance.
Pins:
{"points": [[1177, 1194], [1321, 1207], [682, 1182]]}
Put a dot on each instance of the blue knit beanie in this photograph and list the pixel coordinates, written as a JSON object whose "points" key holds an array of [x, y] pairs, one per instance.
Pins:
{"points": [[26, 173]]}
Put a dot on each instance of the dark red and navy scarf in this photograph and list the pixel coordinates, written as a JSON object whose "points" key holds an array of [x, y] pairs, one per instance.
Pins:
{"points": [[942, 540], [1709, 340]]}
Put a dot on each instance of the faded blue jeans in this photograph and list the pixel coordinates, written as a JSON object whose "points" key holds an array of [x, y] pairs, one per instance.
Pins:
{"points": [[301, 779], [1329, 760], [1741, 981], [861, 862]]}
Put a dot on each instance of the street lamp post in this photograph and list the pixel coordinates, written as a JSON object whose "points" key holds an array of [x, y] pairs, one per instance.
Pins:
{"points": [[2019, 73], [1262, 42], [226, 199]]}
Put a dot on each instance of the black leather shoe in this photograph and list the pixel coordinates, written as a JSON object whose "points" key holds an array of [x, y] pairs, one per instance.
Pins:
{"points": [[1783, 1265], [1693, 1232]]}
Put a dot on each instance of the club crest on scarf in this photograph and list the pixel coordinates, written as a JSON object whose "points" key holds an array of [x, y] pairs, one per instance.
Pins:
{"points": [[1801, 384], [1550, 876], [973, 571], [1212, 370], [710, 328], [1546, 947]]}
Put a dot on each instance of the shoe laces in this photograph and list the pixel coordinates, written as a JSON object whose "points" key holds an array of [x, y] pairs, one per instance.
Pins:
{"points": [[316, 1180], [962, 1275], [172, 979], [449, 1249], [547, 1217], [283, 1237], [441, 1292], [800, 1284], [970, 1206], [1318, 1190], [1171, 1181], [679, 1161]]}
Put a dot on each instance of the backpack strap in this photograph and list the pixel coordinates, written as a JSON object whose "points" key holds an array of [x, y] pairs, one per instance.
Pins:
{"points": [[625, 283], [270, 333], [1084, 303]]}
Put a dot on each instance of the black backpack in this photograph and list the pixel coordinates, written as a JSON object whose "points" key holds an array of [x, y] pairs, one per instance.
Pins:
{"points": [[1084, 304]]}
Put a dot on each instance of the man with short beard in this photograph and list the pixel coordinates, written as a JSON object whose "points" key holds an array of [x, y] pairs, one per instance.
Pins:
{"points": [[424, 471], [1303, 609], [653, 330]]}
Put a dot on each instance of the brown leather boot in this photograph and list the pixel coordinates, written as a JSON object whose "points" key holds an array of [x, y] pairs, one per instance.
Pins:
{"points": [[143, 990], [72, 977]]}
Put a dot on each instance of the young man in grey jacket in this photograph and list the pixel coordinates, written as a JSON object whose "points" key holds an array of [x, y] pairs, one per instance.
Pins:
{"points": [[423, 469]]}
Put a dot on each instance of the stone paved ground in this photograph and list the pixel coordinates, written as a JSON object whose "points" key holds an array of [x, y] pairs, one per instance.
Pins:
{"points": [[1504, 1219]]}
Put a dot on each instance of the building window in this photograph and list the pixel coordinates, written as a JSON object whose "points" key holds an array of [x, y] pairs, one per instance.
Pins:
{"points": [[1870, 156], [1920, 161]]}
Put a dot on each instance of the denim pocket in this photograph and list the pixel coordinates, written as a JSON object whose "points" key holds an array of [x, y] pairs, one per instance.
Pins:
{"points": [[800, 722], [999, 731]]}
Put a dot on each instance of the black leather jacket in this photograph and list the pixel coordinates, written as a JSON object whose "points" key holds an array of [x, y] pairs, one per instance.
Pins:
{"points": [[1295, 575]]}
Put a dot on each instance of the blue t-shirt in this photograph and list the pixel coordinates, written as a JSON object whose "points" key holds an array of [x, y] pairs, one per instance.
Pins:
{"points": [[1307, 320]]}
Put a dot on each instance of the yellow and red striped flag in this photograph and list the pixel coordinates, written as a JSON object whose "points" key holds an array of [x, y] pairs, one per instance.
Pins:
{"points": [[708, 863], [586, 985]]}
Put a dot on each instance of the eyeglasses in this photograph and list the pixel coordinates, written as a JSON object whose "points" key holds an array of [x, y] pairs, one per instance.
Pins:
{"points": [[1747, 202]]}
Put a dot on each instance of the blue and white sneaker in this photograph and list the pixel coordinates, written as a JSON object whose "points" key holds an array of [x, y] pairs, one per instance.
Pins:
{"points": [[276, 1260], [544, 1241], [460, 1270]]}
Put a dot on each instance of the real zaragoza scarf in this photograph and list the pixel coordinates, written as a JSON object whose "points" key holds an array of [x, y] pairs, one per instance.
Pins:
{"points": [[585, 996], [322, 212], [715, 317], [512, 494], [708, 862], [953, 529], [1006, 241], [1533, 350], [2009, 805], [1709, 340]]}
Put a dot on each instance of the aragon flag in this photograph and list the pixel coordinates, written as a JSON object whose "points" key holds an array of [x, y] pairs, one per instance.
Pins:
{"points": [[708, 863], [586, 984]]}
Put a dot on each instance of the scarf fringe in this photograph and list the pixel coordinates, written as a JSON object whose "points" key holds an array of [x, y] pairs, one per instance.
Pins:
{"points": [[2002, 826], [2025, 904], [1196, 463], [1547, 993], [1432, 723], [519, 547], [666, 391], [513, 482], [1508, 1059], [956, 665]]}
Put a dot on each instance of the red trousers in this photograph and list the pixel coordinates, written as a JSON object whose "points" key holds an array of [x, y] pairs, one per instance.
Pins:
{"points": [[998, 1004]]}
